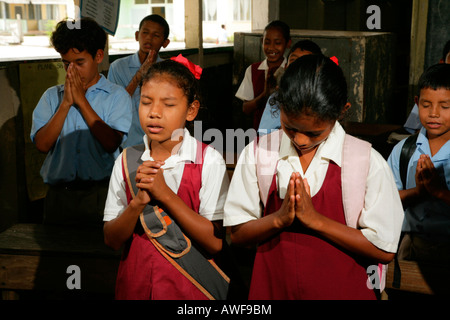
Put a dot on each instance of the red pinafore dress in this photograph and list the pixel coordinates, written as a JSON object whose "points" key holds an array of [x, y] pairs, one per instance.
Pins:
{"points": [[144, 274], [300, 264]]}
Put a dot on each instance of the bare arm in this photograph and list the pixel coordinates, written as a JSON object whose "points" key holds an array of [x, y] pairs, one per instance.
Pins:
{"points": [[148, 62], [119, 230], [46, 137]]}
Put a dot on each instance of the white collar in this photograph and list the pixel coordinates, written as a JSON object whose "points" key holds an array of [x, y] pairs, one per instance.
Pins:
{"points": [[186, 153], [330, 149], [264, 66]]}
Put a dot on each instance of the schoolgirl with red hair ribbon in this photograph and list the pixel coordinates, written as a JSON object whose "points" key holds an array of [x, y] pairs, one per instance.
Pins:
{"points": [[166, 197]]}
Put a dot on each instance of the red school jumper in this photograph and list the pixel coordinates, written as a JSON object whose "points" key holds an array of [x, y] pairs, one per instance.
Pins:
{"points": [[300, 264], [144, 274], [258, 81]]}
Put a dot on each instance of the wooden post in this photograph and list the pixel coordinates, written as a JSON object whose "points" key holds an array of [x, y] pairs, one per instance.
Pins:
{"points": [[418, 46], [194, 26]]}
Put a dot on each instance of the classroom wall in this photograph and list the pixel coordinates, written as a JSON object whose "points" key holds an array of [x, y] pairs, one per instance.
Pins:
{"points": [[367, 60]]}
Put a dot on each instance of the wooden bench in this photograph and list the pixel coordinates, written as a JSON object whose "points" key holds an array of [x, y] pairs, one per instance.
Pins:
{"points": [[34, 260], [419, 278]]}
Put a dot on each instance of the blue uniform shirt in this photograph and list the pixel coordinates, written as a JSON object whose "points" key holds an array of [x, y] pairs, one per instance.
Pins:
{"points": [[77, 154], [121, 71], [431, 216], [270, 121]]}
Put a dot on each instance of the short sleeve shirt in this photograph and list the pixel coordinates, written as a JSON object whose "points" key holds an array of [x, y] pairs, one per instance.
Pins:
{"points": [[431, 216], [245, 91], [77, 154]]}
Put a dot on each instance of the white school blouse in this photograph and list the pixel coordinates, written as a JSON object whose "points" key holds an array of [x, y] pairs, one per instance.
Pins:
{"points": [[214, 188], [380, 220]]}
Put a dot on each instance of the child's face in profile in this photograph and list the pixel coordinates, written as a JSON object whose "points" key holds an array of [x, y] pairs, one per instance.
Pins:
{"points": [[306, 131], [164, 109], [151, 37], [434, 111], [274, 46], [86, 65]]}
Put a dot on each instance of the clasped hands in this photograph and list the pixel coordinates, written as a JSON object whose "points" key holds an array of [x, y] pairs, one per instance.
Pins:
{"points": [[150, 182], [74, 88], [427, 177], [297, 204]]}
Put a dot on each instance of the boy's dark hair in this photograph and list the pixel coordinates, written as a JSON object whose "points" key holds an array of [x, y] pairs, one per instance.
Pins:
{"points": [[284, 27], [180, 73], [84, 34], [159, 20], [313, 84], [435, 77], [446, 50], [306, 45]]}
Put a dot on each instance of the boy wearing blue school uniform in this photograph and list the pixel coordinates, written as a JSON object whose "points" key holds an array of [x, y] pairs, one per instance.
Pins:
{"points": [[127, 72], [426, 195], [80, 126]]}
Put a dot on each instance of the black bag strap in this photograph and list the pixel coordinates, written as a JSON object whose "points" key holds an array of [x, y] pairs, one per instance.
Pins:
{"points": [[172, 243], [407, 151]]}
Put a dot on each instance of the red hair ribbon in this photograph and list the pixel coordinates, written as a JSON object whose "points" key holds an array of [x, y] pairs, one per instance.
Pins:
{"points": [[195, 69], [335, 60]]}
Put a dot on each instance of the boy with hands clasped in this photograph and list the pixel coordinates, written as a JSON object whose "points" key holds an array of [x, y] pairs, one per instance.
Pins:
{"points": [[425, 188], [153, 34], [80, 126]]}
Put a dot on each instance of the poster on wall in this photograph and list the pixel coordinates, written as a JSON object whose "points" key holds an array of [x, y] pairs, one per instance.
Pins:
{"points": [[105, 12]]}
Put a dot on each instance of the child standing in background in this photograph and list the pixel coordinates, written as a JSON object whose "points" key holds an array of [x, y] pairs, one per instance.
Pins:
{"points": [[170, 205], [424, 190], [80, 126], [260, 80], [307, 249], [153, 34]]}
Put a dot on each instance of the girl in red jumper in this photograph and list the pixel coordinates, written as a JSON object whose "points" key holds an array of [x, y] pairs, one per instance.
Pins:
{"points": [[166, 197], [307, 249]]}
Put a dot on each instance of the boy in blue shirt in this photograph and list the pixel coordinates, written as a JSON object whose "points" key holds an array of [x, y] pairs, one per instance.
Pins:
{"points": [[80, 126], [127, 72], [426, 195]]}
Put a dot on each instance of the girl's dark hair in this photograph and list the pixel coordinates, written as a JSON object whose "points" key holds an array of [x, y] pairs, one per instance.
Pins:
{"points": [[313, 84], [180, 73], [84, 34], [284, 27], [435, 77]]}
